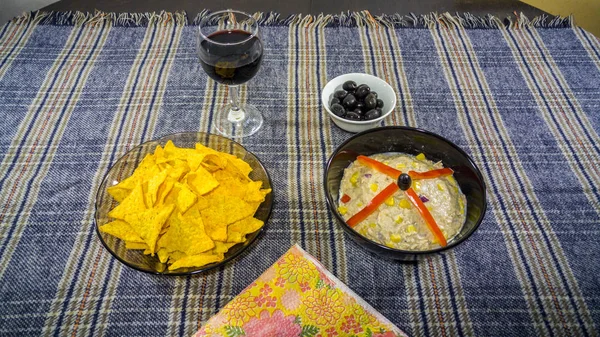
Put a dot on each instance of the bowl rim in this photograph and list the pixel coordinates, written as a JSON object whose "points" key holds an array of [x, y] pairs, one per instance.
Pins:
{"points": [[372, 121], [208, 267], [330, 201]]}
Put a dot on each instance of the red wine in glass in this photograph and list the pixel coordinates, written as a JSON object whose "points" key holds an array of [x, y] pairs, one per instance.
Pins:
{"points": [[231, 57], [230, 51]]}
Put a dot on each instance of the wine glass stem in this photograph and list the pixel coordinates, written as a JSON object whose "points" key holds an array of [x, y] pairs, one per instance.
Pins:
{"points": [[236, 114]]}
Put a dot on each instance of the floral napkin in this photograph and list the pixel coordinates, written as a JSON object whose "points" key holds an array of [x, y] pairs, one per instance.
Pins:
{"points": [[297, 296]]}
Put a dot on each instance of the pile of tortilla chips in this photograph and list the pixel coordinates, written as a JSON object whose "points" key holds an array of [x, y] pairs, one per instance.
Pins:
{"points": [[188, 206]]}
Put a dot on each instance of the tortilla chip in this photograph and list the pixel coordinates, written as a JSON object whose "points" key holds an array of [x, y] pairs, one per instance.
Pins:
{"points": [[204, 149], [145, 171], [243, 167], [118, 193], [179, 169], [194, 159], [216, 232], [163, 256], [214, 162], [236, 237], [195, 261], [173, 152], [176, 255], [171, 197], [254, 193], [132, 204], [246, 226], [148, 223], [186, 198], [186, 234], [225, 210], [160, 156], [201, 181], [121, 230], [230, 187], [222, 247], [154, 185], [146, 167], [164, 190]]}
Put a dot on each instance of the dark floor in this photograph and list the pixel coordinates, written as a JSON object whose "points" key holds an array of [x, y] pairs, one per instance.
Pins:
{"points": [[500, 8]]}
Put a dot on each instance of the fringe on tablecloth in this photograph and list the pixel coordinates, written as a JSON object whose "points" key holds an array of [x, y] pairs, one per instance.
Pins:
{"points": [[344, 19]]}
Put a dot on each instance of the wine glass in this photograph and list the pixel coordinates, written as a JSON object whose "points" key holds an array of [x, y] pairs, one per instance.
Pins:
{"points": [[230, 52]]}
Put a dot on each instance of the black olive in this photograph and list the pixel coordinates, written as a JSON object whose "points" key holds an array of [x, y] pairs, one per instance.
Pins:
{"points": [[351, 115], [379, 103], [362, 91], [349, 86], [372, 114], [340, 94], [374, 93], [349, 102], [404, 181], [335, 100], [370, 101], [338, 109], [360, 105], [358, 111]]}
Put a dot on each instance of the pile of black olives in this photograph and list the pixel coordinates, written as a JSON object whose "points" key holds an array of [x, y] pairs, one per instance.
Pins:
{"points": [[356, 102]]}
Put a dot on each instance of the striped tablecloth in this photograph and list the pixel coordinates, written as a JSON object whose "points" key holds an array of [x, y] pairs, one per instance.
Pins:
{"points": [[522, 97]]}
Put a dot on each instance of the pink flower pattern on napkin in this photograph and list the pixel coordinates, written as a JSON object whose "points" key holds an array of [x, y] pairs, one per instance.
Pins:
{"points": [[295, 297]]}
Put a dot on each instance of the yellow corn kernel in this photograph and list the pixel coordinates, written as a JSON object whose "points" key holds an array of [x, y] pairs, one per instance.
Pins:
{"points": [[399, 219], [417, 185], [342, 210], [363, 231], [354, 178], [414, 164], [404, 203], [389, 201], [440, 186], [386, 162], [420, 156], [390, 244], [395, 238], [400, 166], [374, 187], [411, 229], [372, 225], [453, 183], [359, 204]]}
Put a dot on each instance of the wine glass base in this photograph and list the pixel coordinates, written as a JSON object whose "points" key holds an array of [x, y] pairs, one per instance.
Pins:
{"points": [[237, 124]]}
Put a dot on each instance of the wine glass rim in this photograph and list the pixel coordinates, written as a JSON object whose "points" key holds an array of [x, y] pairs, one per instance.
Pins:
{"points": [[252, 34]]}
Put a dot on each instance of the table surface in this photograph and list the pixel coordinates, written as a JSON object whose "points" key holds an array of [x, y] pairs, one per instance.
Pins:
{"points": [[500, 8], [523, 102]]}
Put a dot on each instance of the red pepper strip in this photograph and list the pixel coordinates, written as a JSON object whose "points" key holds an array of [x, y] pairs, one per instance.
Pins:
{"points": [[345, 198], [393, 173], [379, 166], [373, 205], [431, 174], [429, 220]]}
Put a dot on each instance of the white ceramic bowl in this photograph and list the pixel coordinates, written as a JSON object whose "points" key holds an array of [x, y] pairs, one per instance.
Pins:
{"points": [[384, 92]]}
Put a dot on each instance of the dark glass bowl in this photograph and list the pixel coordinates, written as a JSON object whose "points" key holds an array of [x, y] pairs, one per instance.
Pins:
{"points": [[411, 141], [125, 166]]}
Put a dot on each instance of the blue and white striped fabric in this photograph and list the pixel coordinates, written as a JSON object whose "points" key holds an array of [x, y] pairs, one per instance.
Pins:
{"points": [[522, 97]]}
